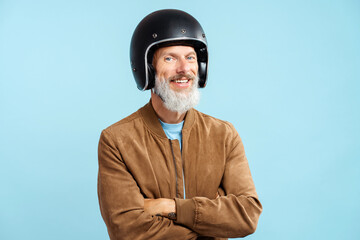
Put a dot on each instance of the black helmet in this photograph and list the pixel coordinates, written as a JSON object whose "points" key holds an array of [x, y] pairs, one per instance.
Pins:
{"points": [[165, 28]]}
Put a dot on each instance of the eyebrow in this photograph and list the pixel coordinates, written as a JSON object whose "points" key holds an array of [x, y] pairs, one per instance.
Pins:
{"points": [[172, 53]]}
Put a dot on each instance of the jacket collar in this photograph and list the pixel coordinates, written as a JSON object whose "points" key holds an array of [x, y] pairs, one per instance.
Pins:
{"points": [[152, 120]]}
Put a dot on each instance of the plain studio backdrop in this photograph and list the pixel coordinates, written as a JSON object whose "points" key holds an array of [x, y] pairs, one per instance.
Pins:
{"points": [[285, 73]]}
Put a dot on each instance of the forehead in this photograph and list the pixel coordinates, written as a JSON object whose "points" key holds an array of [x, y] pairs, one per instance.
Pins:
{"points": [[178, 50]]}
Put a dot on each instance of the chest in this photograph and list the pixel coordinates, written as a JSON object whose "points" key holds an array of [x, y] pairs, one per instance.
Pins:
{"points": [[161, 169]]}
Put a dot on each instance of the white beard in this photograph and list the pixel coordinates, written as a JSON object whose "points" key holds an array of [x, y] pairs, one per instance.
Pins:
{"points": [[174, 101]]}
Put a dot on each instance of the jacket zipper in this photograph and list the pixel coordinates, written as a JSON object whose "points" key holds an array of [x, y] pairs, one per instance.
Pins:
{"points": [[176, 178]]}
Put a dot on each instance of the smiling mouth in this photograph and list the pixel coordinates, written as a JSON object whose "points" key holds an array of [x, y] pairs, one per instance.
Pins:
{"points": [[181, 80]]}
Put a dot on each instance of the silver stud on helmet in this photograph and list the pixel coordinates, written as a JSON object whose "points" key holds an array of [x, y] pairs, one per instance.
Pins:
{"points": [[162, 28]]}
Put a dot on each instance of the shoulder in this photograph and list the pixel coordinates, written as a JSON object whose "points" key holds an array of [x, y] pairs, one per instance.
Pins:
{"points": [[213, 122], [212, 127], [124, 126], [216, 131], [125, 122]]}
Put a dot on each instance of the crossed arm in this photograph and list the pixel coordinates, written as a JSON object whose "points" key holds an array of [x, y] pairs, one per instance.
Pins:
{"points": [[159, 206]]}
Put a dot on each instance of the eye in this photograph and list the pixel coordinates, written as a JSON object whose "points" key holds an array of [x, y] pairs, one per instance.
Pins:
{"points": [[191, 58], [168, 59]]}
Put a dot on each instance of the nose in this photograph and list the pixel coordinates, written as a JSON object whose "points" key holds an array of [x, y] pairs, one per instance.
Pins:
{"points": [[183, 66]]}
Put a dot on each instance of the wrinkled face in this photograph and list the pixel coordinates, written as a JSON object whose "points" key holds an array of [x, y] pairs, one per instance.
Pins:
{"points": [[177, 65]]}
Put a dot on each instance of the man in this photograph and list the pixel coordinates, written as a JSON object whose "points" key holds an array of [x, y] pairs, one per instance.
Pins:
{"points": [[168, 171]]}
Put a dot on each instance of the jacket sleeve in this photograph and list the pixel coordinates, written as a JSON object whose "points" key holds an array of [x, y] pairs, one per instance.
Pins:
{"points": [[236, 212], [122, 204]]}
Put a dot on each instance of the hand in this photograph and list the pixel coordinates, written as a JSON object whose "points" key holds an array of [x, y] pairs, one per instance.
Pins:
{"points": [[159, 206]]}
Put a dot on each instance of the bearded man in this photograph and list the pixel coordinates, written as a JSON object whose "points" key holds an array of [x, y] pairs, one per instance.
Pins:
{"points": [[169, 171]]}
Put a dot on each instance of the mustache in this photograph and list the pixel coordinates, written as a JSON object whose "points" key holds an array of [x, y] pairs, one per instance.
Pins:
{"points": [[179, 76]]}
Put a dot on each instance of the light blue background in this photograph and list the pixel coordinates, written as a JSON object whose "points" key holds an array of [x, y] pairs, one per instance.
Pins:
{"points": [[285, 73]]}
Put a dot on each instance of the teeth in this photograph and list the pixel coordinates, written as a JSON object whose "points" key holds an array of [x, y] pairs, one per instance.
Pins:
{"points": [[181, 81]]}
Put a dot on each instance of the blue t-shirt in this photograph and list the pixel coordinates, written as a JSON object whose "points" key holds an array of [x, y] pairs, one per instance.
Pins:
{"points": [[173, 131]]}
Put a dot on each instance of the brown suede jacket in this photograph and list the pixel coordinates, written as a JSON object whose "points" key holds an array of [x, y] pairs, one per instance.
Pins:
{"points": [[137, 161]]}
